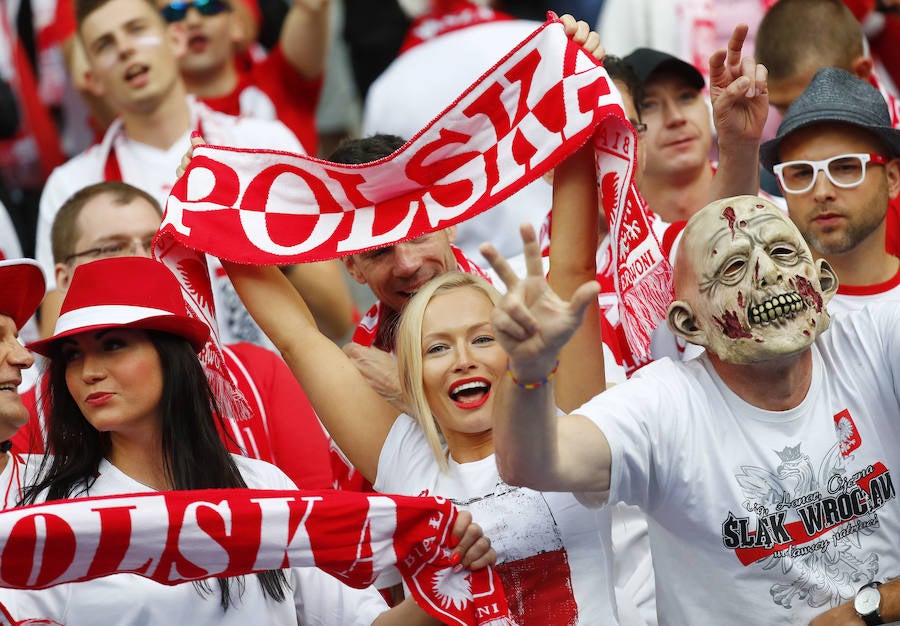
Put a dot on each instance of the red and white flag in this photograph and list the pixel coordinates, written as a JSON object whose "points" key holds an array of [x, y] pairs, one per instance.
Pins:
{"points": [[178, 536], [531, 110], [642, 272]]}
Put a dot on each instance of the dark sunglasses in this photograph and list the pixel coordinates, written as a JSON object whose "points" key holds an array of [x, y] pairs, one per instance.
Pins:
{"points": [[176, 11]]}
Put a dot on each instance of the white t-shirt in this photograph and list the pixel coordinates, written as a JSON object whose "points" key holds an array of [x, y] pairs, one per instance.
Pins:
{"points": [[153, 170], [554, 565], [761, 517], [20, 469], [423, 81], [854, 298], [129, 599]]}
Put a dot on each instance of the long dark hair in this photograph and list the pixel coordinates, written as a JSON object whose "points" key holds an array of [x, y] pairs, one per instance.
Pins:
{"points": [[194, 456]]}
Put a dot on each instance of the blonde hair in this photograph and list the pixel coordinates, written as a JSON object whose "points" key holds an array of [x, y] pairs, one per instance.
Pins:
{"points": [[409, 351]]}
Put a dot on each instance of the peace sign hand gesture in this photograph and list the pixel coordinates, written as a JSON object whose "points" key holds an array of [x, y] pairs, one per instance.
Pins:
{"points": [[531, 322], [738, 91]]}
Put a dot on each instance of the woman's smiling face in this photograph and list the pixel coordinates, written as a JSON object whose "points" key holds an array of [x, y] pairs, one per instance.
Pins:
{"points": [[461, 361]]}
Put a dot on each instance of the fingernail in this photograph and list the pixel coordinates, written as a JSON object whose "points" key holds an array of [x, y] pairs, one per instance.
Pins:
{"points": [[457, 568], [455, 558], [195, 133]]}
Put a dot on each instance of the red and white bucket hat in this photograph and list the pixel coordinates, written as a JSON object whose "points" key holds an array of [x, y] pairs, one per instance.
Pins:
{"points": [[124, 292], [21, 289]]}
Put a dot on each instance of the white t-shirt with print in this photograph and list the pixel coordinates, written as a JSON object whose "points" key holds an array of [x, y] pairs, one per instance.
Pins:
{"points": [[554, 566], [761, 517], [128, 599]]}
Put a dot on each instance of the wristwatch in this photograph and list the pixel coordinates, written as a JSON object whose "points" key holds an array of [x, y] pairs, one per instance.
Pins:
{"points": [[866, 603]]}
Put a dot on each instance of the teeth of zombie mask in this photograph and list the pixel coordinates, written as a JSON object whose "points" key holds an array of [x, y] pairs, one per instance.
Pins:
{"points": [[778, 307]]}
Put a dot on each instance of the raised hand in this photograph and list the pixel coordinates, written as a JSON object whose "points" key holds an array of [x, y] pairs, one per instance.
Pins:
{"points": [[531, 322], [196, 140], [580, 32], [738, 91]]}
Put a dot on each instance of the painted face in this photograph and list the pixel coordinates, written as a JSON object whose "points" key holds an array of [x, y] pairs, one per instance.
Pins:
{"points": [[394, 273], [115, 376], [13, 359], [679, 130], [104, 223], [132, 58], [211, 41], [747, 285], [461, 361], [835, 220]]}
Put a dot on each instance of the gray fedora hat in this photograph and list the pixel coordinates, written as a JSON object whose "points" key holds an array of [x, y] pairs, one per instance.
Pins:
{"points": [[835, 95]]}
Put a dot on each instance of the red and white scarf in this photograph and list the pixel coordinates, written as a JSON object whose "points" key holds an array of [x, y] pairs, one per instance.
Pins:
{"points": [[190, 268], [536, 106], [177, 536]]}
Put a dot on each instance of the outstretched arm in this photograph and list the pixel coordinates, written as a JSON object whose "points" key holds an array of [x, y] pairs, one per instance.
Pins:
{"points": [[326, 294], [740, 102], [306, 36], [357, 418], [534, 447], [573, 253]]}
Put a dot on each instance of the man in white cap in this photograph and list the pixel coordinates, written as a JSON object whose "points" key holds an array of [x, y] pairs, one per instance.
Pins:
{"points": [[21, 290]]}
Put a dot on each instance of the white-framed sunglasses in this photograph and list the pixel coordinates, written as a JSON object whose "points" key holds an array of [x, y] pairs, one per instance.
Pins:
{"points": [[844, 170]]}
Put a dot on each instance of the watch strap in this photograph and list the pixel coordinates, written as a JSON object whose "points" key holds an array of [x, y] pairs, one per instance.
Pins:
{"points": [[873, 618]]}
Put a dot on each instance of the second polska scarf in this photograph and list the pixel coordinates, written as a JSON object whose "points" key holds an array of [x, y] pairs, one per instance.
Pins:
{"points": [[531, 110], [173, 537]]}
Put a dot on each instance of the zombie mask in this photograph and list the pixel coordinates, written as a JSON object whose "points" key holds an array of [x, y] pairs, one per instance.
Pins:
{"points": [[748, 287]]}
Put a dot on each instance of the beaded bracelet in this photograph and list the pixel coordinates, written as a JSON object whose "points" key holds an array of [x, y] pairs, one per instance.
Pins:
{"points": [[540, 383]]}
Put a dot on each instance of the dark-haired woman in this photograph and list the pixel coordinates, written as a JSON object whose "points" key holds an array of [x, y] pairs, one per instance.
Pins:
{"points": [[131, 411]]}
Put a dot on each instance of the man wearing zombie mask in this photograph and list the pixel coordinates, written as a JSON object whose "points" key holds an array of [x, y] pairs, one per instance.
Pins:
{"points": [[764, 465]]}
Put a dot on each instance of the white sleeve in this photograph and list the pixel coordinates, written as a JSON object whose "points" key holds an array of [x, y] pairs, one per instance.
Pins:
{"points": [[322, 600], [259, 474], [641, 419]]}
